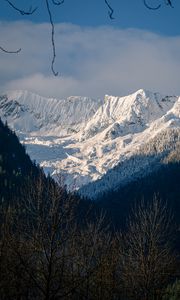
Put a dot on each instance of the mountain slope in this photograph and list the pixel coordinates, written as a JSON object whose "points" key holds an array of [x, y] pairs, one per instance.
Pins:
{"points": [[129, 114], [149, 157], [82, 139], [16, 168], [27, 193], [162, 183], [28, 112]]}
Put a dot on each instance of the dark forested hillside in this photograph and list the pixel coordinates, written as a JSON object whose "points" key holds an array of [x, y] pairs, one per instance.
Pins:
{"points": [[52, 246], [164, 183], [16, 168], [20, 178], [19, 175]]}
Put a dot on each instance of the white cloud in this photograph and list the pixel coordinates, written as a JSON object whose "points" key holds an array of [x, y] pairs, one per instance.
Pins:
{"points": [[90, 61]]}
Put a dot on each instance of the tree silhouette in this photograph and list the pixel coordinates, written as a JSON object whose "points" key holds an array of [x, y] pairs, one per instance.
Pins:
{"points": [[148, 260]]}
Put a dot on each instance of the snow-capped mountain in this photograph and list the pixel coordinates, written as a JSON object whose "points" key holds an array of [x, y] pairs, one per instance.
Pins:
{"points": [[31, 113], [129, 114], [83, 139]]}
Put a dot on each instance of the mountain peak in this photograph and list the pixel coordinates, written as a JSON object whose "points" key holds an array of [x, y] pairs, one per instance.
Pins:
{"points": [[142, 92], [48, 115], [83, 138]]}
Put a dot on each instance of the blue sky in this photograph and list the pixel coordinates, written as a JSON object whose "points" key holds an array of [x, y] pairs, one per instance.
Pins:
{"points": [[127, 13], [140, 48]]}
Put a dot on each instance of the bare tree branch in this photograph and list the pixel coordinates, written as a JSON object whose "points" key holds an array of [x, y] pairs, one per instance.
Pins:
{"points": [[58, 2], [22, 12], [52, 35], [111, 10], [167, 2], [7, 51], [150, 7]]}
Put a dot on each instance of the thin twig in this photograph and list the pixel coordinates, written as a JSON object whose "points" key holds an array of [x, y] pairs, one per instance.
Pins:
{"points": [[111, 10], [169, 2], [7, 51], [58, 2], [22, 12], [150, 7], [52, 38]]}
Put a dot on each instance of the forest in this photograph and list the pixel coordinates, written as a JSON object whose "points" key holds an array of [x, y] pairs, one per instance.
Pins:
{"points": [[54, 245]]}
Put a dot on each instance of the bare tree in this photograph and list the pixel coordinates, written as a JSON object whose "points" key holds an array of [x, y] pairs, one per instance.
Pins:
{"points": [[46, 255], [50, 228], [148, 259], [95, 261], [34, 252]]}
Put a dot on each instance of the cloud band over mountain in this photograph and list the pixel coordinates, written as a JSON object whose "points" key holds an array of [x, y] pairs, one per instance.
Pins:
{"points": [[90, 61]]}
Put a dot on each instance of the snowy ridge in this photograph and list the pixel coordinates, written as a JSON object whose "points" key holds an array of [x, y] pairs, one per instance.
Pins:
{"points": [[82, 139], [28, 112], [128, 114], [147, 158]]}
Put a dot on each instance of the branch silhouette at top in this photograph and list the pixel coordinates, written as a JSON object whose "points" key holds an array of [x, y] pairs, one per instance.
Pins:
{"points": [[49, 3]]}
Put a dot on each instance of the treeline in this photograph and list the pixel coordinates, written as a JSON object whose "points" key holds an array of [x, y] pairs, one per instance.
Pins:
{"points": [[147, 159], [45, 253], [16, 168], [164, 182], [53, 247]]}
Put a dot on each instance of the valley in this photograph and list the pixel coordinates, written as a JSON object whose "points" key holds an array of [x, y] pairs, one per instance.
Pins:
{"points": [[80, 140]]}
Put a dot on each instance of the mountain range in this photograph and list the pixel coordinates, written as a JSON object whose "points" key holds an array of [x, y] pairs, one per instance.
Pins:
{"points": [[95, 145]]}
